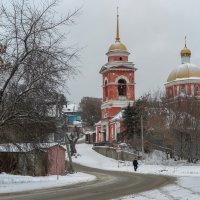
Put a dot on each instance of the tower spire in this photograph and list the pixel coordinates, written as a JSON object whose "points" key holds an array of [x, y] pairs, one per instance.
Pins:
{"points": [[117, 39]]}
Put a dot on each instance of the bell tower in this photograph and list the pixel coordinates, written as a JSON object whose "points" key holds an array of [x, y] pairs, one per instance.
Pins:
{"points": [[118, 84]]}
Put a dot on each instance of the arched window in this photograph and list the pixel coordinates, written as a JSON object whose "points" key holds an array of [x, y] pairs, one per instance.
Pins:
{"points": [[106, 88], [122, 87], [196, 88], [170, 92], [182, 90]]}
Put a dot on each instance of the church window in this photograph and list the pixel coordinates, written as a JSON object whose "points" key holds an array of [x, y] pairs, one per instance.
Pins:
{"points": [[182, 90], [106, 88], [170, 91], [122, 87], [196, 88]]}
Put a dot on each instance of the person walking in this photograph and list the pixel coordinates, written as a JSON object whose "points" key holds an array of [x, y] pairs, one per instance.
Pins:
{"points": [[135, 164]]}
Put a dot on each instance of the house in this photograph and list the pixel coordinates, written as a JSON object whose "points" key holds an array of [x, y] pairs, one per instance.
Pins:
{"points": [[71, 113], [32, 159], [90, 137]]}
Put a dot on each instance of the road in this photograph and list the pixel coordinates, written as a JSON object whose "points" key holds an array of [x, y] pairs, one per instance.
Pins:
{"points": [[108, 185]]}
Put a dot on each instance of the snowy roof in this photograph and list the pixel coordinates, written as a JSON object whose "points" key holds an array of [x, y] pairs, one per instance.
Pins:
{"points": [[24, 147], [70, 108], [128, 65], [89, 132], [118, 116], [98, 123], [77, 123]]}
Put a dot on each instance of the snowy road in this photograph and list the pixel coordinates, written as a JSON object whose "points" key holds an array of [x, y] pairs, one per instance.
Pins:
{"points": [[108, 185], [186, 186]]}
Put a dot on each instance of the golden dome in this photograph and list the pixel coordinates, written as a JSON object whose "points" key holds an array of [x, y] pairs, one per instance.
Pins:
{"points": [[186, 70], [185, 52], [117, 46]]}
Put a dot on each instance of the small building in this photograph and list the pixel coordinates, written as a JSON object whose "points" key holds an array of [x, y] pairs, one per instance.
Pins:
{"points": [[90, 137], [72, 114], [33, 160]]}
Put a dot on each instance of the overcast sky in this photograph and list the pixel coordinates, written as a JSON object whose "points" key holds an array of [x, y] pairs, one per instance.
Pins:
{"points": [[152, 30]]}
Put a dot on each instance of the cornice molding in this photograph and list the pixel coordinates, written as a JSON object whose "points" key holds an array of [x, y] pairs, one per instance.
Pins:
{"points": [[184, 81], [117, 53], [115, 103]]}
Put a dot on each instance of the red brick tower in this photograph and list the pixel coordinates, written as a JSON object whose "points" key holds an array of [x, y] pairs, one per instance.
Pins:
{"points": [[118, 90]]}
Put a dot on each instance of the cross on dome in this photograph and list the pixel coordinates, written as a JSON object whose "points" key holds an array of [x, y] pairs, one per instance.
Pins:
{"points": [[117, 46], [185, 53], [117, 33]]}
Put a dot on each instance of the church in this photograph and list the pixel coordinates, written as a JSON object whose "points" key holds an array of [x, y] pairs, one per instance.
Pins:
{"points": [[118, 89], [183, 81]]}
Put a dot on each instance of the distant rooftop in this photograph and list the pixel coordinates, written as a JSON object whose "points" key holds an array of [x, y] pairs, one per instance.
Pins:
{"points": [[71, 108]]}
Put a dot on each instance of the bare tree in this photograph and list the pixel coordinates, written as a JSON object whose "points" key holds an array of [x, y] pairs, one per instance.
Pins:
{"points": [[34, 62], [156, 131], [90, 110], [184, 124], [72, 137], [173, 126]]}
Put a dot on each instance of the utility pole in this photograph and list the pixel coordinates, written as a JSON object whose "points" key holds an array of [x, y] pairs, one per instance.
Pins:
{"points": [[69, 155], [142, 134], [57, 168]]}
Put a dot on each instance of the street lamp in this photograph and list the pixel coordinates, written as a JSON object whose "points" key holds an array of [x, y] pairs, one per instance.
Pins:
{"points": [[57, 162]]}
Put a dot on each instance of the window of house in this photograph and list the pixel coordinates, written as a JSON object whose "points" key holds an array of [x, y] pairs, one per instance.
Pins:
{"points": [[188, 138]]}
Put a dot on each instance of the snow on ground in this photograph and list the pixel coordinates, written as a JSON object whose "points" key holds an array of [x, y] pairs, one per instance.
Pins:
{"points": [[185, 188], [150, 165], [16, 183]]}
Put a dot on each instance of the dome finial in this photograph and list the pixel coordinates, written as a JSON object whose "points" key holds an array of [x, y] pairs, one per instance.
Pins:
{"points": [[185, 54], [117, 39], [117, 46], [185, 42]]}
